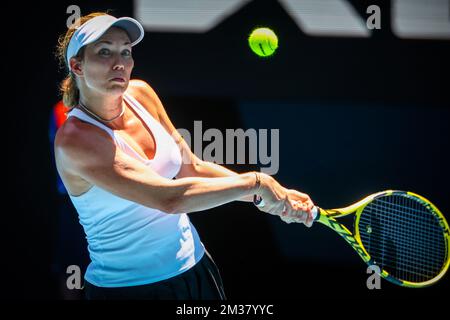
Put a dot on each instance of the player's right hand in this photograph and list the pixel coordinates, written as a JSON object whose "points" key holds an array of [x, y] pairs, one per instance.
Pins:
{"points": [[289, 205]]}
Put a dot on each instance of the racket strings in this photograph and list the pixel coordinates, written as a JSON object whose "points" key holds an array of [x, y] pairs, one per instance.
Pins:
{"points": [[410, 244], [417, 262], [410, 213], [403, 237], [418, 266], [412, 250], [386, 253]]}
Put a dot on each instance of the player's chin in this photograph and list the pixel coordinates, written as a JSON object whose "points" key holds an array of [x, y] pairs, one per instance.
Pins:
{"points": [[117, 87]]}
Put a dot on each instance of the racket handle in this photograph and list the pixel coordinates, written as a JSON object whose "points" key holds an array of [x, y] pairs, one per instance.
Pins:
{"points": [[315, 211]]}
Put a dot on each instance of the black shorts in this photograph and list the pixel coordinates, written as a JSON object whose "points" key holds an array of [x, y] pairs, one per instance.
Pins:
{"points": [[201, 282]]}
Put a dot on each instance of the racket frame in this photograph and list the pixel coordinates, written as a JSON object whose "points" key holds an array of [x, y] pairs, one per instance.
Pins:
{"points": [[328, 218]]}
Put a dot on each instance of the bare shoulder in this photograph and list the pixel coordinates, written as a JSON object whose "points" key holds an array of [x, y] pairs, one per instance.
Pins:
{"points": [[142, 87], [76, 145], [77, 141], [76, 132], [145, 95]]}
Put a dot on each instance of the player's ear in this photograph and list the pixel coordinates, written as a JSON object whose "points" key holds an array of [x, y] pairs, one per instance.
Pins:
{"points": [[76, 66]]}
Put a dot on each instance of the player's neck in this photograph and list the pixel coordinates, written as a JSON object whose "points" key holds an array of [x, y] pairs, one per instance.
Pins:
{"points": [[105, 107]]}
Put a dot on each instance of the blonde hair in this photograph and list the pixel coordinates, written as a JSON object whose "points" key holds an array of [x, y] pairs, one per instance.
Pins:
{"points": [[68, 87]]}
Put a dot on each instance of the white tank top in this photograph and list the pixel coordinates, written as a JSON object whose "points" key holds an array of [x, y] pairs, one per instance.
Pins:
{"points": [[130, 244]]}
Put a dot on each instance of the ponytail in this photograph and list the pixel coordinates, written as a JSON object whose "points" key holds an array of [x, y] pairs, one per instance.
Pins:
{"points": [[69, 91]]}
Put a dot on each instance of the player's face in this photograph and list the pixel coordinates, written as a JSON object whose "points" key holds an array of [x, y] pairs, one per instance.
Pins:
{"points": [[108, 63]]}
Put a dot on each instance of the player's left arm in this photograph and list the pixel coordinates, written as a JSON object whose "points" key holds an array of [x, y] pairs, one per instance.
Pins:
{"points": [[191, 165]]}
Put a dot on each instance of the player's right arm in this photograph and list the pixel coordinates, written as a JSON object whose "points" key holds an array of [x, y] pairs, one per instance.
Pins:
{"points": [[90, 153]]}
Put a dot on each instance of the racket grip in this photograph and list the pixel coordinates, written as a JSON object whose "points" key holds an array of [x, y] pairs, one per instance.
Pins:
{"points": [[315, 211]]}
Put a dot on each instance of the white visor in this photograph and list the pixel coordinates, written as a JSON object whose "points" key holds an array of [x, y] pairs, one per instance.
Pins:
{"points": [[94, 28]]}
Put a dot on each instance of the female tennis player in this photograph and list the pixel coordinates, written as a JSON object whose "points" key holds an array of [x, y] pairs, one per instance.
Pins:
{"points": [[132, 178]]}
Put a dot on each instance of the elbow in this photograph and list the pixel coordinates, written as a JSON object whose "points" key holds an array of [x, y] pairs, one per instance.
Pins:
{"points": [[174, 199], [198, 165], [171, 205], [165, 197]]}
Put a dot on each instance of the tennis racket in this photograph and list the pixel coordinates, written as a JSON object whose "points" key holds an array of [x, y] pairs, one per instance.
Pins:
{"points": [[401, 232]]}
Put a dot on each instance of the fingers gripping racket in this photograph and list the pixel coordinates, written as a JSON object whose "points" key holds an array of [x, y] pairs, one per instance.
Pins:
{"points": [[402, 233]]}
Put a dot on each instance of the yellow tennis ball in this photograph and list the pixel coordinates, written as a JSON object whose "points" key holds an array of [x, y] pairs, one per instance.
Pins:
{"points": [[263, 42]]}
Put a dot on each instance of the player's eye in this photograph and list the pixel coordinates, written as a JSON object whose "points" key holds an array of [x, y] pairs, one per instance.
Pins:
{"points": [[104, 51]]}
